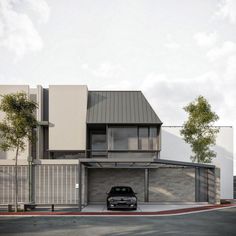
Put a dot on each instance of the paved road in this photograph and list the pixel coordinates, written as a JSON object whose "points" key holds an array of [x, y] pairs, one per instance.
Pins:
{"points": [[221, 222]]}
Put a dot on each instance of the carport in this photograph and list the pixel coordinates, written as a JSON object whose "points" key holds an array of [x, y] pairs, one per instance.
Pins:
{"points": [[155, 181]]}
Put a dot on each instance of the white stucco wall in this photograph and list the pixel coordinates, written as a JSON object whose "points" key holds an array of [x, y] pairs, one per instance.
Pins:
{"points": [[67, 117], [174, 148], [6, 89]]}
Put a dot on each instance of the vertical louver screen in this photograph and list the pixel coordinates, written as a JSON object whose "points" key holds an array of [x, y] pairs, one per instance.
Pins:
{"points": [[7, 184], [56, 184]]}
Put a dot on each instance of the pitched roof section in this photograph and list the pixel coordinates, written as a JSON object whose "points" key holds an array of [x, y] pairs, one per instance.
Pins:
{"points": [[119, 107]]}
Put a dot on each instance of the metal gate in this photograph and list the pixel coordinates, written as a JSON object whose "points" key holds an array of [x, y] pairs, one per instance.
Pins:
{"points": [[55, 184]]}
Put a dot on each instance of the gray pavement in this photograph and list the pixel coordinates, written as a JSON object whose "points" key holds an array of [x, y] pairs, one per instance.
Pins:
{"points": [[219, 222]]}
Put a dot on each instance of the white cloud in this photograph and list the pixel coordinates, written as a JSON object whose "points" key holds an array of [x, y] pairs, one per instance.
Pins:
{"points": [[230, 73], [228, 48], [119, 84], [168, 97], [227, 10], [17, 30], [85, 66], [204, 39], [171, 43], [107, 70], [37, 9]]}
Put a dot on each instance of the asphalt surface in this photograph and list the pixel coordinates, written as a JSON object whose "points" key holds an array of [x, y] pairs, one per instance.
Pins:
{"points": [[219, 222]]}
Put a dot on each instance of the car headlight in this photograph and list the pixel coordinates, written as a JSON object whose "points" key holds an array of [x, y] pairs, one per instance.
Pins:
{"points": [[110, 199], [133, 199]]}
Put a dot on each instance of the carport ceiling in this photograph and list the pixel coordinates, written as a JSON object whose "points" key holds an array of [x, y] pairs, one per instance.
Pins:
{"points": [[119, 165], [105, 163]]}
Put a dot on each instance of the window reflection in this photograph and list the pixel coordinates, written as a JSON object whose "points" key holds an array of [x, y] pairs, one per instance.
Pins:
{"points": [[123, 138], [153, 138], [143, 138], [133, 138]]}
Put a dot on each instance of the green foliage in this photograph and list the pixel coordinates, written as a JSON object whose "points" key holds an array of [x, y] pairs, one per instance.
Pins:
{"points": [[198, 130], [18, 121]]}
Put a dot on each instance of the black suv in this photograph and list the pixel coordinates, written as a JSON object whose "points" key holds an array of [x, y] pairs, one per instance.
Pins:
{"points": [[121, 197]]}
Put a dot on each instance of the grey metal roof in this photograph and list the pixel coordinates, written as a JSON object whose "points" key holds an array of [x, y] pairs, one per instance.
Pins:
{"points": [[120, 107]]}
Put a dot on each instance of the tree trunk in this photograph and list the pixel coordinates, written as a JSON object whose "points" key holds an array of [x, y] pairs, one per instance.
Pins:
{"points": [[16, 180]]}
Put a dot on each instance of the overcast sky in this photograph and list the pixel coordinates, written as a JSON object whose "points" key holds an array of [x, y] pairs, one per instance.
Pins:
{"points": [[172, 50]]}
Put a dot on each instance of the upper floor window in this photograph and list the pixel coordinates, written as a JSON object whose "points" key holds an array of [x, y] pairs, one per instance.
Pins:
{"points": [[153, 133], [123, 138], [143, 138], [132, 138]]}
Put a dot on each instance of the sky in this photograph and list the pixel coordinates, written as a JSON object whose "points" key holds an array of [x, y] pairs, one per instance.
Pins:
{"points": [[172, 50]]}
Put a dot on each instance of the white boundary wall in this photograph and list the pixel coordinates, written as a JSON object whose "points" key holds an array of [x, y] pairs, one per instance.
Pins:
{"points": [[174, 148]]}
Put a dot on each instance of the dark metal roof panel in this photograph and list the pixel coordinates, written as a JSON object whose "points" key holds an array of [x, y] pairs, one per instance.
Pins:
{"points": [[119, 107]]}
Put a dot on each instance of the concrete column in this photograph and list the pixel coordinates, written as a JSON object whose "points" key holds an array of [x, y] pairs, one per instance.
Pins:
{"points": [[80, 186], [146, 185], [197, 184], [39, 116], [84, 200], [217, 185]]}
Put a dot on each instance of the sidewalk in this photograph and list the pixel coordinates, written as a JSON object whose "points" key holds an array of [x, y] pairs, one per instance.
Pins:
{"points": [[75, 212]]}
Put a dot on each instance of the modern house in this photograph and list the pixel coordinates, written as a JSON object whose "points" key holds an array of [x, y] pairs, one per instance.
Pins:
{"points": [[88, 141]]}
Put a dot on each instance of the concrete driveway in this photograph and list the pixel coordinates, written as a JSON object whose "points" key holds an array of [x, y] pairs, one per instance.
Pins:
{"points": [[143, 207]]}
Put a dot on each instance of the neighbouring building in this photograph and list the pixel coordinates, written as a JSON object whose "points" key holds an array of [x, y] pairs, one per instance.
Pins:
{"points": [[88, 141]]}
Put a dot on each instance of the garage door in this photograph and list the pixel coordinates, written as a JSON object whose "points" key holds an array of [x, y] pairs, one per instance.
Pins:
{"points": [[101, 180]]}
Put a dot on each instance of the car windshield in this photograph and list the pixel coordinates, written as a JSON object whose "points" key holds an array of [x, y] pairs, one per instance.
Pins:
{"points": [[121, 190]]}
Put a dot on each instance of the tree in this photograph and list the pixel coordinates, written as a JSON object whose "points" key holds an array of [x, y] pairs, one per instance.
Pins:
{"points": [[199, 131], [16, 126]]}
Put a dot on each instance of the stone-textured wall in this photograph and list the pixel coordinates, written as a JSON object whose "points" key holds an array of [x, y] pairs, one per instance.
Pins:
{"points": [[218, 187], [84, 182], [100, 181], [214, 192], [172, 184]]}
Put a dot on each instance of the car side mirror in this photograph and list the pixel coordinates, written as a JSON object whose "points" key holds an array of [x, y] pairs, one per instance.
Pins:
{"points": [[107, 193], [135, 193]]}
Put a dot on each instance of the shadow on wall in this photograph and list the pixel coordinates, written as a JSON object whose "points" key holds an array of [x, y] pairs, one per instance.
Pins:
{"points": [[175, 148], [172, 184]]}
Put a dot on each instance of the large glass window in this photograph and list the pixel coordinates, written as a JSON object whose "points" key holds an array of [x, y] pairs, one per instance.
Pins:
{"points": [[133, 138], [123, 138], [143, 138], [153, 138]]}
